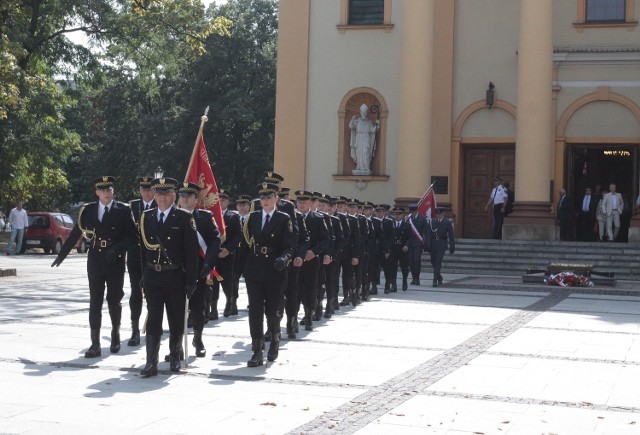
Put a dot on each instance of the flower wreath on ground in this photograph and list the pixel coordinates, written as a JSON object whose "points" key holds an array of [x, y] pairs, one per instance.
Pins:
{"points": [[569, 279]]}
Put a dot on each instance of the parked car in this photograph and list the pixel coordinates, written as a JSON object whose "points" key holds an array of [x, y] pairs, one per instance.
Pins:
{"points": [[49, 231]]}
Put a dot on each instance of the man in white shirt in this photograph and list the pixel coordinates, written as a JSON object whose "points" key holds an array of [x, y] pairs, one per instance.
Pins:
{"points": [[19, 222], [612, 205], [498, 198]]}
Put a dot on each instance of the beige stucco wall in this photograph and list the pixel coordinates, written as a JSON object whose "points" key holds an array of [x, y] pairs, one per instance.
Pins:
{"points": [[486, 37], [485, 49], [338, 63], [603, 119]]}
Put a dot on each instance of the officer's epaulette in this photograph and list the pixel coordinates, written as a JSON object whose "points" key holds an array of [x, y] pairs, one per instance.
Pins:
{"points": [[205, 211], [134, 201], [179, 210], [124, 204], [234, 211]]}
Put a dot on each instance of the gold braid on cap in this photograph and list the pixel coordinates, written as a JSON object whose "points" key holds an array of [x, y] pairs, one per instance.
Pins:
{"points": [[147, 245], [84, 230], [245, 230]]}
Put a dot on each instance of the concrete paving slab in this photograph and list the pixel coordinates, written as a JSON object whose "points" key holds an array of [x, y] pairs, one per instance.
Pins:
{"points": [[467, 358]]}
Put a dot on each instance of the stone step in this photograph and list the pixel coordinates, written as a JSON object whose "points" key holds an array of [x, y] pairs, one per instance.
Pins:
{"points": [[509, 257]]}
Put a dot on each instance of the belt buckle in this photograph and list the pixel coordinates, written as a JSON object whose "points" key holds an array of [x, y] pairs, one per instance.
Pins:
{"points": [[264, 250], [103, 243], [158, 267]]}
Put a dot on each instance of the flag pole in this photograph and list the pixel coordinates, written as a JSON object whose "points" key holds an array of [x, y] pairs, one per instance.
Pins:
{"points": [[203, 120], [427, 192]]}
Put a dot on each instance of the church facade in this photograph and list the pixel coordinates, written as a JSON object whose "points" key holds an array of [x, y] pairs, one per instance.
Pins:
{"points": [[543, 93]]}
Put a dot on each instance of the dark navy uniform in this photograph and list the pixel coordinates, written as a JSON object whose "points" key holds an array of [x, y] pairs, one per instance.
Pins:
{"points": [[170, 262], [134, 264], [292, 301], [439, 234], [111, 238], [270, 237], [232, 239], [381, 249], [330, 273], [309, 274], [399, 250], [418, 225], [209, 248], [240, 255], [352, 250]]}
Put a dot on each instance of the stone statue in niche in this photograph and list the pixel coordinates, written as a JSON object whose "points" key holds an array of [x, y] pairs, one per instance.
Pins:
{"points": [[363, 141]]}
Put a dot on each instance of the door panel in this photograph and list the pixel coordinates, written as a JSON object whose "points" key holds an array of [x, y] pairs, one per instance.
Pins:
{"points": [[481, 165]]}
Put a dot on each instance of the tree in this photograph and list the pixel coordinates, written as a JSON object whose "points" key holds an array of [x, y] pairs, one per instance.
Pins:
{"points": [[36, 140]]}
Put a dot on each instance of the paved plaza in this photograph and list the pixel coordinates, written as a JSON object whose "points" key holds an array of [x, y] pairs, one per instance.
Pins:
{"points": [[480, 356]]}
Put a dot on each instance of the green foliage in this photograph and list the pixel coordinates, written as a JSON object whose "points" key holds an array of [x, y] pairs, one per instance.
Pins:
{"points": [[133, 95]]}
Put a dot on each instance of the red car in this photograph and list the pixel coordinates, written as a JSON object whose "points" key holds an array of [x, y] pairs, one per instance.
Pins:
{"points": [[49, 231]]}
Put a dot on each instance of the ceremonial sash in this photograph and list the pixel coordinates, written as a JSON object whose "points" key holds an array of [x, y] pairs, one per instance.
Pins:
{"points": [[415, 230], [202, 252]]}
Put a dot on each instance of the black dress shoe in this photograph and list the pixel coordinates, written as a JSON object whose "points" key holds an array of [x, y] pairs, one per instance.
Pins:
{"points": [[213, 315], [135, 338], [227, 309], [405, 286], [303, 321], [414, 282], [291, 334], [374, 290], [394, 288], [440, 282], [93, 352], [257, 359], [115, 341], [435, 283], [234, 309], [167, 357], [149, 370], [308, 324], [328, 313], [344, 302], [272, 355]]}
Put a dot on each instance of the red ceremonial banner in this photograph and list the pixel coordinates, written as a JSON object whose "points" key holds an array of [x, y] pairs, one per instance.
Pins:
{"points": [[427, 205], [200, 172]]}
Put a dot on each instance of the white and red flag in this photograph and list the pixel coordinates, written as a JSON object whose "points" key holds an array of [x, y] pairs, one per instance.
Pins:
{"points": [[427, 205]]}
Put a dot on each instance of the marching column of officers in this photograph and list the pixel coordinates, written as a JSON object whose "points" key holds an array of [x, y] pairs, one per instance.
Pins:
{"points": [[290, 256]]}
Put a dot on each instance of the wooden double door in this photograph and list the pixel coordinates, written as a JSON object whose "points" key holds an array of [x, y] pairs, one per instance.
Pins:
{"points": [[481, 165]]}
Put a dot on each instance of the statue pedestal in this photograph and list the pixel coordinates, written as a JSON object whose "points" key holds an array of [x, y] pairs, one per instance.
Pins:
{"points": [[360, 172]]}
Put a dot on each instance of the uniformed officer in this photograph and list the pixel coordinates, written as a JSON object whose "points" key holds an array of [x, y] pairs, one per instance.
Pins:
{"points": [[399, 249], [170, 262], [352, 252], [292, 300], [134, 257], [243, 205], [208, 250], [375, 240], [330, 269], [359, 270], [285, 206], [233, 236], [269, 235], [418, 225], [384, 242], [439, 232], [313, 258], [113, 231], [346, 236]]}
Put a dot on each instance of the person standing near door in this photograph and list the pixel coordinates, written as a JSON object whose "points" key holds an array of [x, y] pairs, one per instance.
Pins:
{"points": [[498, 198], [612, 205], [587, 216], [564, 213]]}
